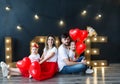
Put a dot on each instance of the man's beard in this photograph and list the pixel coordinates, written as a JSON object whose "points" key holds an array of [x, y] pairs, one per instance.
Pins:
{"points": [[66, 44]]}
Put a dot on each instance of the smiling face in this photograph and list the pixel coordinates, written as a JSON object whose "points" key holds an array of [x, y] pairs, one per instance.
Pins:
{"points": [[72, 46], [50, 41]]}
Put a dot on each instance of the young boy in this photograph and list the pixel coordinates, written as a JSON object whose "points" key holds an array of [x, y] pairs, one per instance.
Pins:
{"points": [[73, 57]]}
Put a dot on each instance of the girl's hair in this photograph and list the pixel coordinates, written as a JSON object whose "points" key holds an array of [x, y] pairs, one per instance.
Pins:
{"points": [[46, 44]]}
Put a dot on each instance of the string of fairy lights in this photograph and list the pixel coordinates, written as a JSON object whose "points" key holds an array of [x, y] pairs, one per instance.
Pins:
{"points": [[83, 13], [40, 39]]}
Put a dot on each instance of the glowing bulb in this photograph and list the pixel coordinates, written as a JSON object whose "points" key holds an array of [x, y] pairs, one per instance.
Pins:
{"points": [[19, 27], [102, 63], [7, 8], [8, 77], [32, 43], [88, 62], [95, 51], [61, 23], [8, 57], [95, 39], [99, 15], [95, 63], [36, 16], [7, 41], [8, 66], [88, 51], [41, 40], [57, 41], [103, 39], [7, 49], [84, 12], [88, 40]]}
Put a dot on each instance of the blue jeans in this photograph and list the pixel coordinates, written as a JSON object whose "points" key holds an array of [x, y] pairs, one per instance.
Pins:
{"points": [[77, 68], [80, 59]]}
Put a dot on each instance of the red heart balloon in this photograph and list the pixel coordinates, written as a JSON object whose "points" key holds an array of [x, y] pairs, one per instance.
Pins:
{"points": [[35, 70], [24, 64], [80, 47], [84, 34], [75, 33]]}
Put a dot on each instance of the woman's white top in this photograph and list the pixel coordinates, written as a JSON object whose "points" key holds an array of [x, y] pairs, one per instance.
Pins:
{"points": [[48, 52]]}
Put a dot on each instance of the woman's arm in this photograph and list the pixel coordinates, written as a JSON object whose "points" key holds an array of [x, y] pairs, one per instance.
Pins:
{"points": [[42, 57], [47, 57]]}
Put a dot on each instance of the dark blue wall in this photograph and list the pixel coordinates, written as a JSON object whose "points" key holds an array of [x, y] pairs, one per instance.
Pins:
{"points": [[50, 12]]}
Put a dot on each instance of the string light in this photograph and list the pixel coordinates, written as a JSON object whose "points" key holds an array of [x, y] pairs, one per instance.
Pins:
{"points": [[19, 27], [7, 8], [84, 13], [36, 17], [99, 16], [61, 23]]}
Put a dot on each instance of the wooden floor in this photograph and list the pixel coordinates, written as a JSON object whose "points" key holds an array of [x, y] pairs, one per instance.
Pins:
{"points": [[102, 75]]}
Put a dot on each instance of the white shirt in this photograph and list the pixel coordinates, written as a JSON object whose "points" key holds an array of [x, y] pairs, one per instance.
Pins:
{"points": [[34, 57], [63, 53], [72, 54], [47, 52]]}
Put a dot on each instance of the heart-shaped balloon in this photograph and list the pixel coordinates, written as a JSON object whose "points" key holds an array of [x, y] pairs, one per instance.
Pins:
{"points": [[84, 35], [80, 47], [35, 70], [24, 64], [75, 34]]}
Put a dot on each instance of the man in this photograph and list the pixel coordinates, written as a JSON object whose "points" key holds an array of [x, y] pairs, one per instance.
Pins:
{"points": [[65, 65]]}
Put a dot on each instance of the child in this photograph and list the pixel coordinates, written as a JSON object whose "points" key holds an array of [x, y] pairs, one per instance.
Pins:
{"points": [[73, 57], [34, 56]]}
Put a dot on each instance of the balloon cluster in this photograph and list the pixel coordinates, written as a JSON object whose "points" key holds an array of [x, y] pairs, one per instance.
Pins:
{"points": [[79, 36]]}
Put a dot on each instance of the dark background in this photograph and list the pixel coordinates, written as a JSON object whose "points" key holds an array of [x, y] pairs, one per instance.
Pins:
{"points": [[51, 12]]}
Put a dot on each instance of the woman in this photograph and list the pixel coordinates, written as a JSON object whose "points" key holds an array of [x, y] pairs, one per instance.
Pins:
{"points": [[48, 61]]}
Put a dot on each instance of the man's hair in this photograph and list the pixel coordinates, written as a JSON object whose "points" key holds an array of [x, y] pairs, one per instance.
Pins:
{"points": [[65, 35]]}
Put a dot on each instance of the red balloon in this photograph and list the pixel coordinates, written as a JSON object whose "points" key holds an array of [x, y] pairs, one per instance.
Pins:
{"points": [[24, 64], [80, 47], [35, 70], [84, 34], [75, 33]]}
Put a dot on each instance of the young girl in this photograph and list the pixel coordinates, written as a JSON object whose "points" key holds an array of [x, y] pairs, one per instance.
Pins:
{"points": [[34, 56], [73, 57], [48, 61]]}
